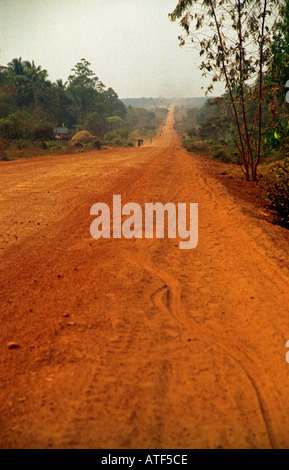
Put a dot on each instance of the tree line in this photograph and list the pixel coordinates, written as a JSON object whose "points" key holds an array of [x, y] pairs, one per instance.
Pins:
{"points": [[31, 106]]}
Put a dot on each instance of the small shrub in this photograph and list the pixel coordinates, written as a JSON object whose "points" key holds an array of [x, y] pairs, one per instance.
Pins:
{"points": [[217, 151], [42, 131], [117, 138], [189, 144], [53, 144], [192, 148], [193, 145], [95, 144], [192, 132], [277, 192], [15, 127], [23, 144], [224, 153]]}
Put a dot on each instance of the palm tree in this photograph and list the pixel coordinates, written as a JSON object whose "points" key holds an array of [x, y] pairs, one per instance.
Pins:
{"points": [[36, 73], [30, 81], [16, 66]]}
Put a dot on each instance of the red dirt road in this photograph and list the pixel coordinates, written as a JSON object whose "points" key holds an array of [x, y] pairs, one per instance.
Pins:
{"points": [[136, 343]]}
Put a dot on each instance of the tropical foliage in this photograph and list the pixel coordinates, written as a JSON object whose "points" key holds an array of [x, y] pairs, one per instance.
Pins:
{"points": [[31, 106], [234, 39]]}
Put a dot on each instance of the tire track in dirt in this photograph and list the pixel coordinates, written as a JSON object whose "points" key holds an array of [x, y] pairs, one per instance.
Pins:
{"points": [[168, 299]]}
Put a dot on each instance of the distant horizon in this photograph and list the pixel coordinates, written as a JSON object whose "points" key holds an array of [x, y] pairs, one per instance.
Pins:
{"points": [[168, 98], [173, 100]]}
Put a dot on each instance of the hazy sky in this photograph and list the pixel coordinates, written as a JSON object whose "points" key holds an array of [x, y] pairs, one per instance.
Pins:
{"points": [[131, 44]]}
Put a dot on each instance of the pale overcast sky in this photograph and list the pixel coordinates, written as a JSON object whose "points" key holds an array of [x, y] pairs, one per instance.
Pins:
{"points": [[131, 44]]}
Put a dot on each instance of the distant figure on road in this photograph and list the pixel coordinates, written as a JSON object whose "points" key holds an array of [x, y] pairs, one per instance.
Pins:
{"points": [[139, 142]]}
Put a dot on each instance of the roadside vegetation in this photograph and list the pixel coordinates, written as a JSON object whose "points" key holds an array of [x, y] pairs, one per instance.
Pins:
{"points": [[31, 107], [249, 125]]}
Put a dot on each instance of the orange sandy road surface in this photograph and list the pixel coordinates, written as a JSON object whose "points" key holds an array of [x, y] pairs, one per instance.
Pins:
{"points": [[136, 343]]}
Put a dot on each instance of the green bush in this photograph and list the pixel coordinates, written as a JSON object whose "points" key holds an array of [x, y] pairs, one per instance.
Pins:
{"points": [[219, 152], [42, 131], [192, 132], [193, 145], [15, 127], [225, 153], [95, 144], [192, 148], [277, 191], [189, 144], [53, 144], [117, 138], [23, 144]]}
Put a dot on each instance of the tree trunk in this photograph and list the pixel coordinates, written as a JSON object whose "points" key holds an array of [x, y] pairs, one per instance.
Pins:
{"points": [[235, 114], [254, 177]]}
